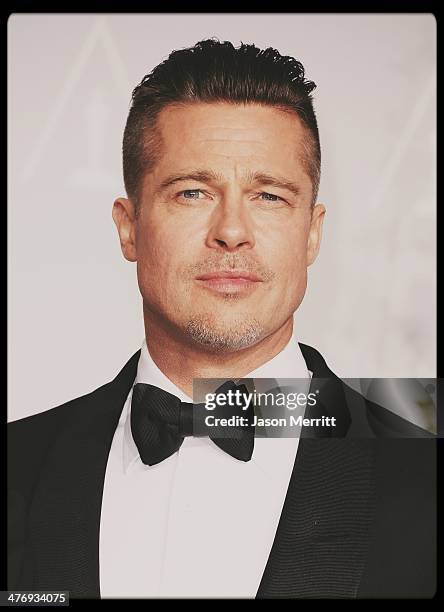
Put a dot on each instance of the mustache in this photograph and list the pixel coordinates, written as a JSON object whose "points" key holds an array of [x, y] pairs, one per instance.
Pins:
{"points": [[231, 262]]}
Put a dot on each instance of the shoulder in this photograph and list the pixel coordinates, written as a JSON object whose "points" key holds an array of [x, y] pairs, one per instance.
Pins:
{"points": [[29, 439], [362, 417], [52, 418], [49, 420]]}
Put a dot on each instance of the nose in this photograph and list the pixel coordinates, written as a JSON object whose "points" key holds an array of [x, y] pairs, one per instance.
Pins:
{"points": [[231, 227]]}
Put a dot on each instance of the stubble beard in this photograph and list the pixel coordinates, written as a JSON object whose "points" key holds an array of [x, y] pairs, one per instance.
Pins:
{"points": [[239, 334]]}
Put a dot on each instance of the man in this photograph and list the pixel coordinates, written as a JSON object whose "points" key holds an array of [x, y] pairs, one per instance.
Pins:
{"points": [[110, 495]]}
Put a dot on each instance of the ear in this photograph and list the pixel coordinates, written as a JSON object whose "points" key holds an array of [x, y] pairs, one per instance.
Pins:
{"points": [[315, 233], [125, 219]]}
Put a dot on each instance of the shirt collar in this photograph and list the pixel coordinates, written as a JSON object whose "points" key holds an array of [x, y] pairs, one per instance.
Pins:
{"points": [[288, 363]]}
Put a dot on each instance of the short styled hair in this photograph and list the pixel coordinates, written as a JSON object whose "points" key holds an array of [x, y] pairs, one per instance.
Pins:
{"points": [[214, 71]]}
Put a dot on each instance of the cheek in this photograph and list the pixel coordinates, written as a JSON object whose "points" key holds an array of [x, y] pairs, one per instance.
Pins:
{"points": [[153, 243], [162, 256], [286, 252], [152, 261], [288, 258]]}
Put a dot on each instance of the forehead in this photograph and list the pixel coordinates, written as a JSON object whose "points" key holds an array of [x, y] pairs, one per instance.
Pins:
{"points": [[231, 136]]}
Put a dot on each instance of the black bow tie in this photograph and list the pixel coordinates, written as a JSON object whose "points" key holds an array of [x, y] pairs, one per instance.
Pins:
{"points": [[160, 421]]}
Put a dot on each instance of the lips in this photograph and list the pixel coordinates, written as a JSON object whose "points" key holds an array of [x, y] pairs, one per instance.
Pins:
{"points": [[236, 283], [230, 274]]}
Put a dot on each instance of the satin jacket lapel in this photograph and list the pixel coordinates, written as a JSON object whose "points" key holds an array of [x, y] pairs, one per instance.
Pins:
{"points": [[323, 532], [63, 550]]}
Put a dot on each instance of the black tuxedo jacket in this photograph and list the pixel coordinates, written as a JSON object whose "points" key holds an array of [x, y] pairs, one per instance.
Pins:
{"points": [[359, 517]]}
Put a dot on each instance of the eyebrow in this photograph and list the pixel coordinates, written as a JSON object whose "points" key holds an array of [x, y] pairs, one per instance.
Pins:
{"points": [[207, 176], [201, 176]]}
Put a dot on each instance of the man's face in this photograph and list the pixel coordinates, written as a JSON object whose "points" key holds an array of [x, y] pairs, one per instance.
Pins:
{"points": [[224, 219]]}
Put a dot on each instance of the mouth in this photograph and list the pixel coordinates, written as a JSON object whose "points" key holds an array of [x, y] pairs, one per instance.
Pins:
{"points": [[229, 281]]}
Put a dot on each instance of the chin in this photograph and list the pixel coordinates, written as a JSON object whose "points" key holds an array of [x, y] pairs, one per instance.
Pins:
{"points": [[216, 337]]}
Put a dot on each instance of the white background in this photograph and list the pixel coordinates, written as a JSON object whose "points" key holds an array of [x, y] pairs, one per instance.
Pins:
{"points": [[75, 312]]}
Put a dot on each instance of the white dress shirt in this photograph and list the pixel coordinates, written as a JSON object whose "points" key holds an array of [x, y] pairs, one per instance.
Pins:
{"points": [[200, 523]]}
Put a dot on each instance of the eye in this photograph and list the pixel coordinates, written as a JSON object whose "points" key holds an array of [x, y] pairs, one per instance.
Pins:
{"points": [[271, 197], [186, 194]]}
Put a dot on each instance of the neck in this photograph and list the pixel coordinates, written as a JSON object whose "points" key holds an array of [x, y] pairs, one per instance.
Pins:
{"points": [[181, 361]]}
